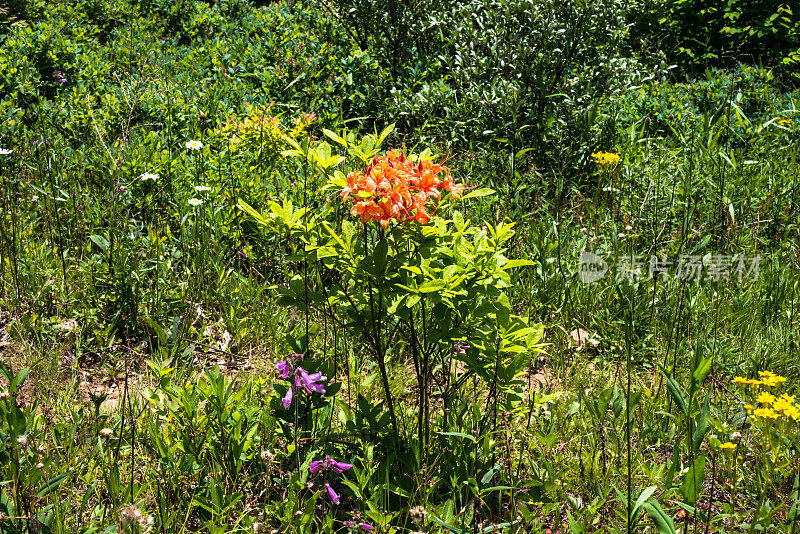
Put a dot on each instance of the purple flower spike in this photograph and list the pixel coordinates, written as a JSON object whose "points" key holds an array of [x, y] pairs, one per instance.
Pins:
{"points": [[332, 494], [283, 368], [287, 400], [367, 526], [339, 467], [314, 466], [309, 382]]}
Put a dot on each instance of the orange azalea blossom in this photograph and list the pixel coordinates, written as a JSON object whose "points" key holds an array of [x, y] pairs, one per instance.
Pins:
{"points": [[394, 188]]}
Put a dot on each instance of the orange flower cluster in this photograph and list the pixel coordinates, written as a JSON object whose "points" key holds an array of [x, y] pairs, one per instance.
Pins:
{"points": [[393, 188]]}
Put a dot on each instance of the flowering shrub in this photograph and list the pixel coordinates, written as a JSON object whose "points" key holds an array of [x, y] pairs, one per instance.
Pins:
{"points": [[395, 188], [437, 281]]}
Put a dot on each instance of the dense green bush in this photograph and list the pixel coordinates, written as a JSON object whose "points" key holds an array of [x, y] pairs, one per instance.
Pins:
{"points": [[722, 33]]}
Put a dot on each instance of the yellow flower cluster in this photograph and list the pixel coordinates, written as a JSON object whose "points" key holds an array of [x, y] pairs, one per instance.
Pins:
{"points": [[606, 159], [785, 122], [768, 378], [772, 407]]}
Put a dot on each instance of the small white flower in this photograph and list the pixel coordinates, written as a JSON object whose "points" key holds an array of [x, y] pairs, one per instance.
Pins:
{"points": [[130, 515], [195, 202], [35, 198], [620, 235], [22, 440], [736, 435], [149, 176], [5, 151], [39, 465], [194, 145], [201, 188], [106, 432]]}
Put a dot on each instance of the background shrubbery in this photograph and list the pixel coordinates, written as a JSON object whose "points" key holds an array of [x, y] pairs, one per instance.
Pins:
{"points": [[471, 381]]}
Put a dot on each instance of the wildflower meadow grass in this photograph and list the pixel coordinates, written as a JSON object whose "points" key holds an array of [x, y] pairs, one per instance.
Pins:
{"points": [[522, 266]]}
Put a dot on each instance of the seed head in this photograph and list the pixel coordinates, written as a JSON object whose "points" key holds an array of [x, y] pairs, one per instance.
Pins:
{"points": [[418, 515], [130, 515]]}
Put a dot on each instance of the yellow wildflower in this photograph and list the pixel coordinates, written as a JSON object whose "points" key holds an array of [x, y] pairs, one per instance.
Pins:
{"points": [[785, 122], [753, 383], [728, 447], [740, 380], [768, 378], [765, 398], [605, 159], [766, 413], [748, 407]]}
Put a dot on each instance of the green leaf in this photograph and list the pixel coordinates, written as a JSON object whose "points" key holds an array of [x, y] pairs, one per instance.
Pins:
{"points": [[334, 137], [693, 480], [510, 264], [701, 428], [477, 193], [432, 286], [53, 484], [380, 256], [247, 208], [100, 241], [662, 521], [677, 393], [702, 370], [643, 496], [490, 474]]}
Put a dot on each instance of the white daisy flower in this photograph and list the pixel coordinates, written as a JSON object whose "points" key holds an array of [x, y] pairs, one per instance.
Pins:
{"points": [[194, 145], [201, 188], [149, 176], [5, 151], [195, 202]]}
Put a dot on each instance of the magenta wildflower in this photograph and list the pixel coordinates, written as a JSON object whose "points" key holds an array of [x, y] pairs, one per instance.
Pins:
{"points": [[287, 399], [309, 382], [339, 467], [332, 494], [354, 524], [284, 368], [329, 463]]}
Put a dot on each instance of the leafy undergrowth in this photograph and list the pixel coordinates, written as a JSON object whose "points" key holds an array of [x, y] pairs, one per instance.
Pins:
{"points": [[545, 288]]}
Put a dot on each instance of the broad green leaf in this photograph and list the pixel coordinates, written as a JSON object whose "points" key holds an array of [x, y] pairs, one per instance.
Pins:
{"points": [[100, 241], [662, 521], [53, 484], [701, 427], [693, 480], [477, 193], [676, 392]]}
